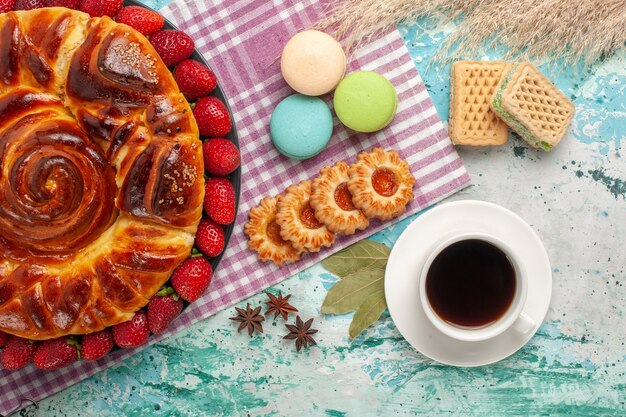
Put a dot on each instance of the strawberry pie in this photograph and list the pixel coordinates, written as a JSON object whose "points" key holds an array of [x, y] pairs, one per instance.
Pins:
{"points": [[101, 173]]}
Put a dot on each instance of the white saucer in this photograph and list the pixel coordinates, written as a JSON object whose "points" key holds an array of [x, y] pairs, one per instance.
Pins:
{"points": [[407, 259]]}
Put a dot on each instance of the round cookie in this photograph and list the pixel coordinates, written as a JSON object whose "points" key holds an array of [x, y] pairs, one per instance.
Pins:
{"points": [[365, 101], [313, 63], [301, 126]]}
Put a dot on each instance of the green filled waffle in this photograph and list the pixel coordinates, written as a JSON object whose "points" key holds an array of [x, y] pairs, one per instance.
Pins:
{"points": [[532, 106]]}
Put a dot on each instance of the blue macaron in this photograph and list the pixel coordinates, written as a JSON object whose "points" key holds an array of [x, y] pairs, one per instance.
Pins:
{"points": [[301, 126]]}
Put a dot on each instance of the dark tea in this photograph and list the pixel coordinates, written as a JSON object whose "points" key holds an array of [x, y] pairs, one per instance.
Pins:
{"points": [[470, 283]]}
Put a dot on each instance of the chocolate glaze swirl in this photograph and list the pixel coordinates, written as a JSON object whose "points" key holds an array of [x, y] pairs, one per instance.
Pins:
{"points": [[57, 190]]}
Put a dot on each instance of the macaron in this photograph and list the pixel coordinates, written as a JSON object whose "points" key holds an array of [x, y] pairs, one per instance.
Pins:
{"points": [[301, 126], [365, 101], [313, 63]]}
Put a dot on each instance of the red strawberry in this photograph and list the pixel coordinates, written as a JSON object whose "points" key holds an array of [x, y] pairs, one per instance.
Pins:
{"points": [[17, 353], [141, 19], [4, 337], [194, 79], [132, 333], [7, 5], [163, 307], [56, 353], [192, 278], [210, 238], [97, 8], [212, 117], [29, 4], [219, 200], [221, 156], [96, 345], [70, 4], [173, 46]]}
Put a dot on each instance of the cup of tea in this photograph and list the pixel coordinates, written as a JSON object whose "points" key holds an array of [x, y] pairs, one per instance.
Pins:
{"points": [[473, 288]]}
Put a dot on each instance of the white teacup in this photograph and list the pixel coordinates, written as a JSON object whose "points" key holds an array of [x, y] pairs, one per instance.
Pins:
{"points": [[514, 317]]}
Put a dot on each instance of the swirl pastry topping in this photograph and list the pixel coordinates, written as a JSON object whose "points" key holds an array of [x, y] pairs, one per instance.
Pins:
{"points": [[101, 168], [57, 189]]}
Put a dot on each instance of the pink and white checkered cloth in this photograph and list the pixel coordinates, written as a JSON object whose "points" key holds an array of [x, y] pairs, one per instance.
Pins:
{"points": [[242, 40]]}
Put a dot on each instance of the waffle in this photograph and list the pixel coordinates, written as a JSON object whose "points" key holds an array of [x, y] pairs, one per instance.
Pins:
{"points": [[532, 106], [472, 122]]}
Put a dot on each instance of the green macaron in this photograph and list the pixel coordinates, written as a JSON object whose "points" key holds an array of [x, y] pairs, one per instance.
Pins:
{"points": [[365, 101]]}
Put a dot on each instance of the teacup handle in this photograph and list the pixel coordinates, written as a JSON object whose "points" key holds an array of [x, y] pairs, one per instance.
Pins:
{"points": [[524, 324]]}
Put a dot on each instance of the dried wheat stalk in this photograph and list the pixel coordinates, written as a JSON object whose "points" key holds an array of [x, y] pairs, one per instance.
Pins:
{"points": [[575, 30]]}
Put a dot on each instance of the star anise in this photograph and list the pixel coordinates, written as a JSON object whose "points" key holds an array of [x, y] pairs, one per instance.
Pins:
{"points": [[279, 305], [249, 318], [301, 333]]}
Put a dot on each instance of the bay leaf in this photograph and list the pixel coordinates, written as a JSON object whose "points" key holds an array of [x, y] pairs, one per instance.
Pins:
{"points": [[367, 313], [348, 294], [365, 254]]}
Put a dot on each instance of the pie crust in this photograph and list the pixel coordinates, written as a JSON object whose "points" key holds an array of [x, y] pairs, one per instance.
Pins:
{"points": [[101, 184], [264, 235], [381, 184], [297, 219], [332, 201]]}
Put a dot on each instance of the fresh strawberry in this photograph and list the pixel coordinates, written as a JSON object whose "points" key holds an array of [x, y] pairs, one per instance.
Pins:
{"points": [[212, 117], [97, 8], [219, 200], [141, 19], [4, 337], [56, 353], [96, 345], [163, 307], [221, 156], [210, 238], [192, 278], [29, 4], [132, 333], [70, 4], [173, 46], [17, 353], [7, 5], [194, 79]]}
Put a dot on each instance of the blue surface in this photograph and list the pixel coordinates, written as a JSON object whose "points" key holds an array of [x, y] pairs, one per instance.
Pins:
{"points": [[301, 126], [575, 197]]}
